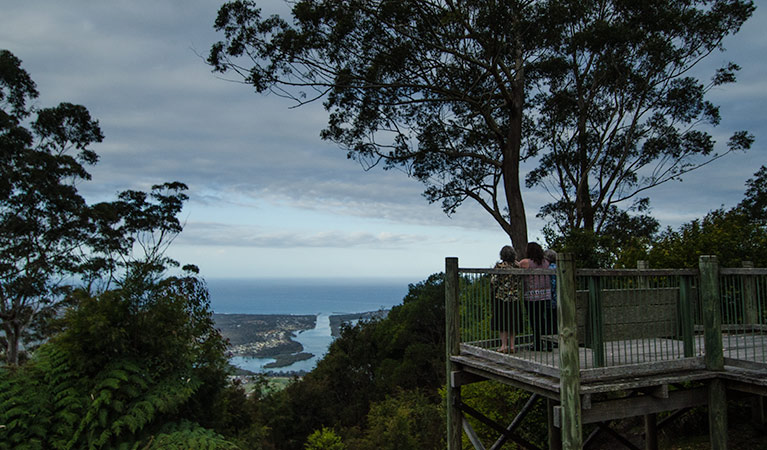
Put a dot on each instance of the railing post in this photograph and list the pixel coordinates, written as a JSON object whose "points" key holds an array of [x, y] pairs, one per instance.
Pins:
{"points": [[750, 307], [712, 315], [717, 393], [452, 347], [569, 358], [596, 332], [686, 316]]}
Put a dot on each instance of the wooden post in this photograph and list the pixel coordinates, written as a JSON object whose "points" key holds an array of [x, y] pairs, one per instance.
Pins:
{"points": [[686, 316], [651, 420], [750, 306], [569, 360], [596, 329], [452, 347], [651, 431], [712, 323], [555, 436], [712, 315]]}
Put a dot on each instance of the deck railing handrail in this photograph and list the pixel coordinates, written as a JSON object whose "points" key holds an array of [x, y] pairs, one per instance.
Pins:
{"points": [[671, 297]]}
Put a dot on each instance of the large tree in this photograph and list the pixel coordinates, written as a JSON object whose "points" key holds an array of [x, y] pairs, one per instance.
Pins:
{"points": [[43, 219], [436, 88], [621, 111], [460, 93], [49, 236]]}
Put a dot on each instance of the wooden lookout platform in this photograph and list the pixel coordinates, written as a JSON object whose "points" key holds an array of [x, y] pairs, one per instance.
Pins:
{"points": [[610, 344]]}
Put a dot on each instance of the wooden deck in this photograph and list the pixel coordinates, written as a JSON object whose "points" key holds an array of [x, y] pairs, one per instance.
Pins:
{"points": [[650, 342]]}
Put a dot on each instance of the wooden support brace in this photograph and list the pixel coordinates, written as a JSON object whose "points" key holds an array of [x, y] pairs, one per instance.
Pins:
{"points": [[494, 425], [605, 426], [473, 438], [637, 406]]}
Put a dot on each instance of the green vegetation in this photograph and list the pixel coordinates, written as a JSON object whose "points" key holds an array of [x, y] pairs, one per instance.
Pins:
{"points": [[129, 357], [124, 355]]}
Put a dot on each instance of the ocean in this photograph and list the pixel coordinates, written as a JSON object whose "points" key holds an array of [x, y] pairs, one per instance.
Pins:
{"points": [[320, 297]]}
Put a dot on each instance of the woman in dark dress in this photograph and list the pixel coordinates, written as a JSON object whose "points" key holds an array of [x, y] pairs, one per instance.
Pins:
{"points": [[507, 317]]}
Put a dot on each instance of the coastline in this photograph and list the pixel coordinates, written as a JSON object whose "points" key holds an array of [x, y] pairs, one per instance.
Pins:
{"points": [[274, 335]]}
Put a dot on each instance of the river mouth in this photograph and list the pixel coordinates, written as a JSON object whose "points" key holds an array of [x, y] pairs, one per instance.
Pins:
{"points": [[315, 341]]}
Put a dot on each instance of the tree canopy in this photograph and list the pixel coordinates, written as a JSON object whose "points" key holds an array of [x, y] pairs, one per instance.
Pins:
{"points": [[460, 93], [50, 237]]}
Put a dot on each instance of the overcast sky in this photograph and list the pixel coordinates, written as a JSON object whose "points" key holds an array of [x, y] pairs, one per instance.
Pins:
{"points": [[268, 197]]}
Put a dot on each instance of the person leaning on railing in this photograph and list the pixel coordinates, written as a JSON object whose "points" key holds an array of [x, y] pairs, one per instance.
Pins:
{"points": [[537, 293], [507, 318]]}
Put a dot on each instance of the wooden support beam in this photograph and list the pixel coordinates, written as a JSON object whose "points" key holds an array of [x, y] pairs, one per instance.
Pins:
{"points": [[638, 406], [452, 347], [473, 438], [494, 425], [651, 431], [569, 356], [515, 423], [460, 378], [555, 435], [605, 426], [712, 322], [717, 414]]}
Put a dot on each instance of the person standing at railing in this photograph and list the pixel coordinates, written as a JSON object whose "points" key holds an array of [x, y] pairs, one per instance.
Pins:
{"points": [[507, 317], [537, 292]]}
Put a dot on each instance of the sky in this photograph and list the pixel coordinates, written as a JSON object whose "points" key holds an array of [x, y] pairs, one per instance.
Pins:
{"points": [[268, 197]]}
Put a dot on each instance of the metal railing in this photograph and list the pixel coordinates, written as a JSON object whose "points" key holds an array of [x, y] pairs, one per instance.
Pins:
{"points": [[743, 294], [628, 321]]}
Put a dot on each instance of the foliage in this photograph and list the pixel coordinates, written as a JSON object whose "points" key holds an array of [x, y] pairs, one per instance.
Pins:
{"points": [[434, 88], [403, 421], [369, 361], [49, 236], [324, 439], [42, 217], [729, 234], [130, 237], [619, 112], [126, 372], [733, 235], [754, 203], [623, 240], [501, 403], [459, 94]]}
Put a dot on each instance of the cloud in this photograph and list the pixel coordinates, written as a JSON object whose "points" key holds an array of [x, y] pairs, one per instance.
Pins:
{"points": [[135, 65], [223, 234]]}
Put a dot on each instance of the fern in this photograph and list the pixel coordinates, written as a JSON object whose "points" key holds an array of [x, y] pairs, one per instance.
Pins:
{"points": [[185, 435], [161, 398], [114, 386]]}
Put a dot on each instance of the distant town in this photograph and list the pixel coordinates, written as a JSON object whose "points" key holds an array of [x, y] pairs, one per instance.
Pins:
{"points": [[271, 335]]}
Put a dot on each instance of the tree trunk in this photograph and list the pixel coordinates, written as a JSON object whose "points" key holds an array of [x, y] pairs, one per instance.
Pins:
{"points": [[12, 333], [584, 209], [511, 157]]}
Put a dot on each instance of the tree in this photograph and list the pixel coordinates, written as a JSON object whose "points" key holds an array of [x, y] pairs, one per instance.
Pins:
{"points": [[131, 235], [128, 371], [460, 94], [434, 88], [324, 439], [370, 360], [734, 235], [754, 202], [620, 111], [49, 236], [43, 219]]}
